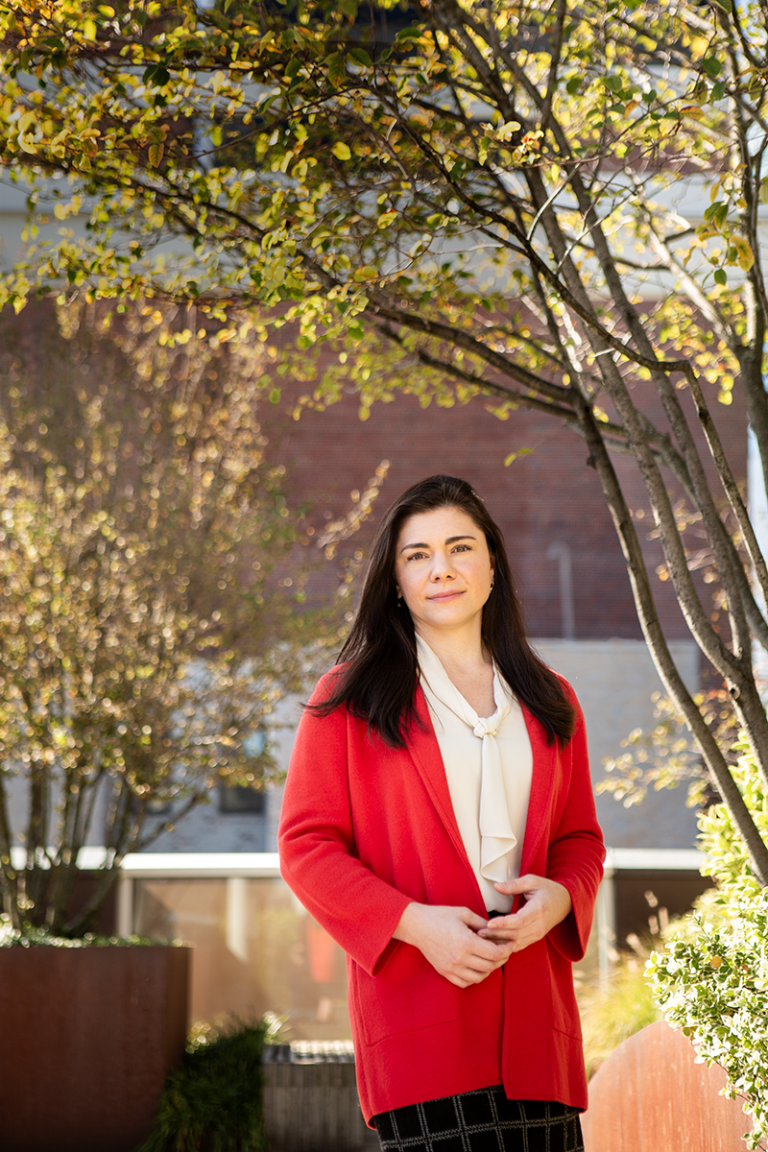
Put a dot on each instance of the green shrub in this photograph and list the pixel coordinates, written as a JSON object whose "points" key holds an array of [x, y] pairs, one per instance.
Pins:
{"points": [[712, 980], [31, 936], [610, 1015], [215, 1096]]}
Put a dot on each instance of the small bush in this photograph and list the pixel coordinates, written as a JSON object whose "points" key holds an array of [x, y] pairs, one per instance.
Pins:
{"points": [[33, 937], [712, 979], [214, 1099], [610, 1015]]}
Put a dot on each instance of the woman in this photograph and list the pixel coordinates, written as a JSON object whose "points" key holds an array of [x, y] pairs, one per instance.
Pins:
{"points": [[438, 821]]}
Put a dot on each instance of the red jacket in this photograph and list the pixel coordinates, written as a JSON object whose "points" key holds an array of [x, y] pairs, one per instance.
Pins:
{"points": [[366, 829]]}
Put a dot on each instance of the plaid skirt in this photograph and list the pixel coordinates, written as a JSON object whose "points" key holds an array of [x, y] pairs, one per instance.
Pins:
{"points": [[480, 1121]]}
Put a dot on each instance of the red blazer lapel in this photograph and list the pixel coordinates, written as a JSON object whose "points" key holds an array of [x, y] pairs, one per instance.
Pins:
{"points": [[544, 763], [425, 753]]}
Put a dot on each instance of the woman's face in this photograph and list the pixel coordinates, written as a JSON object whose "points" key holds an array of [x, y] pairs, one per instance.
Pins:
{"points": [[443, 569]]}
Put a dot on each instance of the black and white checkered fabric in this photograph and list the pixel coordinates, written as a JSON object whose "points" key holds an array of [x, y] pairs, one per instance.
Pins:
{"points": [[481, 1121]]}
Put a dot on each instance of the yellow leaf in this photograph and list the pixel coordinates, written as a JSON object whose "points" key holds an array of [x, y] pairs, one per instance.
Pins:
{"points": [[745, 255], [507, 130], [341, 150], [705, 231]]}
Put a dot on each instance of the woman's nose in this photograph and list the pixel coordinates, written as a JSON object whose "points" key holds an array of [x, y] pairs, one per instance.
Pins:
{"points": [[442, 568]]}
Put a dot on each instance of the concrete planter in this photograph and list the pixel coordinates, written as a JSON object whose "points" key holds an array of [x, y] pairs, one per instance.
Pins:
{"points": [[86, 1038]]}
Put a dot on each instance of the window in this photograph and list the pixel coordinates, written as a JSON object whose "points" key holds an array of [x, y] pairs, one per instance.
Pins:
{"points": [[241, 800]]}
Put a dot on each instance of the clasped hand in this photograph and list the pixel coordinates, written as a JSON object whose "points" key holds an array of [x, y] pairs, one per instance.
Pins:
{"points": [[465, 948]]}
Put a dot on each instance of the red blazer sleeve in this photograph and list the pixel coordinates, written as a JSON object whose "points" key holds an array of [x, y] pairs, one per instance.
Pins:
{"points": [[576, 850], [318, 856]]}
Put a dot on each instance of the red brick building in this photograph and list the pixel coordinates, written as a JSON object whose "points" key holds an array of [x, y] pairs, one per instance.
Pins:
{"points": [[547, 496]]}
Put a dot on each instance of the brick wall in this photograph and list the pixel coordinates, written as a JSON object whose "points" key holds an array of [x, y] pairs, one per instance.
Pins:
{"points": [[549, 495]]}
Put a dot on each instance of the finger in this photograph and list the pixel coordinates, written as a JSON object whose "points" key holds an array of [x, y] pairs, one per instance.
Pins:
{"points": [[508, 926], [484, 948], [465, 976], [489, 957], [509, 887], [476, 973], [472, 920], [499, 922], [525, 883], [498, 935]]}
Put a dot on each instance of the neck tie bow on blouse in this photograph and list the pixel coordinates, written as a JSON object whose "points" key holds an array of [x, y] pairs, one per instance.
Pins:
{"points": [[497, 839]]}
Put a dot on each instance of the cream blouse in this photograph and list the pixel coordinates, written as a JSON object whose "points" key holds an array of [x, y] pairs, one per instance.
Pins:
{"points": [[488, 764]]}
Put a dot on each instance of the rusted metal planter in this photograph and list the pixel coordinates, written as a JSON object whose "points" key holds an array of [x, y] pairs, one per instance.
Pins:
{"points": [[651, 1096], [86, 1038]]}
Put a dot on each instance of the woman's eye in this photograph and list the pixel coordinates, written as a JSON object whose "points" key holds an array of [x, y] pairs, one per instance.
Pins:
{"points": [[416, 556], [461, 548]]}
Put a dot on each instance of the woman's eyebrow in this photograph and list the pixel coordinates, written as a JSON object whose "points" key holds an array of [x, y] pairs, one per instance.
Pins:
{"points": [[450, 540]]}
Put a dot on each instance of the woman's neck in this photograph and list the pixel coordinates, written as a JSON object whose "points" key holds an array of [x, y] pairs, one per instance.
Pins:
{"points": [[467, 665], [461, 646]]}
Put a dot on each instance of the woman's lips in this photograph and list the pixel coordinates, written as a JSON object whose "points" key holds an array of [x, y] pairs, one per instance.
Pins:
{"points": [[445, 595]]}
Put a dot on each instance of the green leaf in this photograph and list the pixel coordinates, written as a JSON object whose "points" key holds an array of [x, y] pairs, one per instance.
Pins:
{"points": [[573, 85], [712, 66], [614, 83], [361, 57], [337, 72], [367, 272], [157, 75], [720, 277], [720, 215]]}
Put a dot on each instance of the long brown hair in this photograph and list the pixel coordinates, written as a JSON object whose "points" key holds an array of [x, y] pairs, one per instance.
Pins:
{"points": [[379, 671]]}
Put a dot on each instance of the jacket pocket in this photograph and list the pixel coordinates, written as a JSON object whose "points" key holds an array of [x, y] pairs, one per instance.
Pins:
{"points": [[565, 1011], [408, 994]]}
